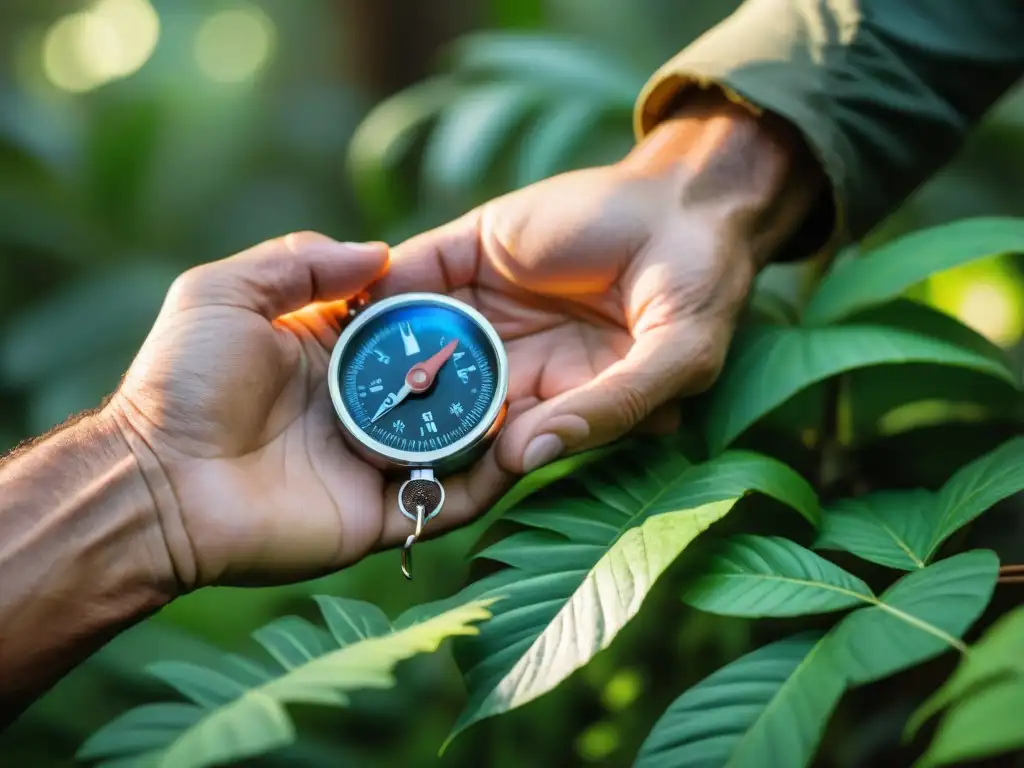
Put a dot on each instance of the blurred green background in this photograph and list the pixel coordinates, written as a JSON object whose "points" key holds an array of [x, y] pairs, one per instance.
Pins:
{"points": [[138, 138]]}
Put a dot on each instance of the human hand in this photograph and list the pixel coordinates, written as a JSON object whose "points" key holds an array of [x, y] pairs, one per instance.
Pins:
{"points": [[227, 413], [617, 289]]}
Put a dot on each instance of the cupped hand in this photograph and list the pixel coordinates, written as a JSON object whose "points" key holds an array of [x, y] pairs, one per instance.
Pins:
{"points": [[227, 412], [612, 296]]}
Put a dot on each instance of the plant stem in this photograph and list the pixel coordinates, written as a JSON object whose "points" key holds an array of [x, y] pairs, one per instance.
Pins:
{"points": [[829, 454]]}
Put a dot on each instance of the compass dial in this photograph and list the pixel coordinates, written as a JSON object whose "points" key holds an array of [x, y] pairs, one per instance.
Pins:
{"points": [[410, 344]]}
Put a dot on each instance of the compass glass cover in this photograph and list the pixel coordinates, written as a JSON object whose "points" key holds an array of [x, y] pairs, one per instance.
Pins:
{"points": [[375, 362]]}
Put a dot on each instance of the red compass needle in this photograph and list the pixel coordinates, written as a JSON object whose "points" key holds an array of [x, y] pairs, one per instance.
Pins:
{"points": [[421, 376]]}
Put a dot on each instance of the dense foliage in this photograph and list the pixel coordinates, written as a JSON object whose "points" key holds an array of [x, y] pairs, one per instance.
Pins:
{"points": [[789, 580]]}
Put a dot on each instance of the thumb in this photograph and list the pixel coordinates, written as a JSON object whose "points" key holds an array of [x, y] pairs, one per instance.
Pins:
{"points": [[282, 275], [664, 363]]}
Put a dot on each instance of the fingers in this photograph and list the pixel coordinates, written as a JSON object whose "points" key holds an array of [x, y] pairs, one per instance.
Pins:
{"points": [[283, 275], [663, 364], [440, 260]]}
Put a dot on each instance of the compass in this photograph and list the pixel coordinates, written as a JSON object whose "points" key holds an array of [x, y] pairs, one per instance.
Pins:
{"points": [[419, 383]]}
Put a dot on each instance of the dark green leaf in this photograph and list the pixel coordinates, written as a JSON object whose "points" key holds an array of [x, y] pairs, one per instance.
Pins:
{"points": [[768, 576], [206, 687], [469, 134], [768, 365], [352, 620], [585, 571], [919, 617], [768, 708], [551, 140], [140, 729], [886, 272], [292, 641], [904, 529]]}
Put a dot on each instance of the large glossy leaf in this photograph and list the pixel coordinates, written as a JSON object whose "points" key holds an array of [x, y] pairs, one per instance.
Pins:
{"points": [[768, 365], [469, 134], [585, 569], [757, 576], [770, 707], [917, 618], [884, 273], [904, 529], [765, 709], [240, 716]]}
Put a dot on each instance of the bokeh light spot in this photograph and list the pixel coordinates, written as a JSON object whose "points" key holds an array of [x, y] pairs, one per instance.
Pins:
{"points": [[990, 309], [110, 40], [234, 45]]}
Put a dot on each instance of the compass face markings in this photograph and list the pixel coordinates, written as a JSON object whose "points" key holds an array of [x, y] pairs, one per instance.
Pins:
{"points": [[457, 401]]}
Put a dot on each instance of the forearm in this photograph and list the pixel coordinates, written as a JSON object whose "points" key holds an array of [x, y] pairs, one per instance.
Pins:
{"points": [[81, 556], [749, 174]]}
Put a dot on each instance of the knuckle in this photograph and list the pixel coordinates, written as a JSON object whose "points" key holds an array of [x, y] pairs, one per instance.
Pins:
{"points": [[188, 285], [704, 364], [302, 241], [632, 405]]}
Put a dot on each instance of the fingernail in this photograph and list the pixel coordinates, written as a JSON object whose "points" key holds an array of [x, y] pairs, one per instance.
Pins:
{"points": [[542, 450]]}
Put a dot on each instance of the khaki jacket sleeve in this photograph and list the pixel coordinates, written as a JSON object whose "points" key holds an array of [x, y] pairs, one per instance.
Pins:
{"points": [[883, 91]]}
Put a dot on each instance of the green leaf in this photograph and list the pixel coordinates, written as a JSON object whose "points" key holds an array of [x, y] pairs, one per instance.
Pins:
{"points": [[767, 708], [255, 721], [551, 140], [352, 620], [771, 706], [150, 726], [386, 136], [904, 529], [469, 134], [985, 725], [585, 570], [998, 655], [769, 365], [756, 576], [206, 687], [541, 478], [291, 641], [919, 617], [886, 272], [557, 64]]}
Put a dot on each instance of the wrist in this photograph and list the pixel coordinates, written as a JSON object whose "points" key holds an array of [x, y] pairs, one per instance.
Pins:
{"points": [[749, 175], [129, 502], [81, 554], [179, 564]]}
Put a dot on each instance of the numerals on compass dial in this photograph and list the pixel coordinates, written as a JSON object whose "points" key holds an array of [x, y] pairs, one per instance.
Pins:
{"points": [[376, 363]]}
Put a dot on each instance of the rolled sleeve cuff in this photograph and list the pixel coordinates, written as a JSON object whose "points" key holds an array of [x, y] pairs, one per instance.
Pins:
{"points": [[765, 85]]}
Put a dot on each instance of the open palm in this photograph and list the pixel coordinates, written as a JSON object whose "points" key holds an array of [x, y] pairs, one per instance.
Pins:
{"points": [[611, 299]]}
